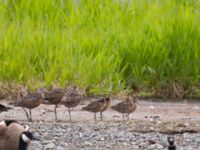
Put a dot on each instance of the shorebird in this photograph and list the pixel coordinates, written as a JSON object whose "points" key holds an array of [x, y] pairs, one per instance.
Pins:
{"points": [[71, 99], [4, 108], [126, 107], [30, 101], [13, 136], [54, 97], [96, 106], [108, 103]]}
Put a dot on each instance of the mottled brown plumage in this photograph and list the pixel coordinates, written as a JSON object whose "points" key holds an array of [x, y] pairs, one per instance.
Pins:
{"points": [[54, 97], [96, 106], [30, 101], [126, 107], [108, 103], [71, 99]]}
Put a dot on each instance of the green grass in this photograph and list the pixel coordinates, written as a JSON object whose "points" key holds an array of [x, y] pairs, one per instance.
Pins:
{"points": [[104, 45]]}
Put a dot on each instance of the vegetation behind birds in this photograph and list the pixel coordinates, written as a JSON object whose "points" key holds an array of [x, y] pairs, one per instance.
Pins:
{"points": [[104, 46]]}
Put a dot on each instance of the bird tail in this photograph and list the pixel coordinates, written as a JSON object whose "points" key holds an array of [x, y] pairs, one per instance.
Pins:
{"points": [[84, 108], [15, 103]]}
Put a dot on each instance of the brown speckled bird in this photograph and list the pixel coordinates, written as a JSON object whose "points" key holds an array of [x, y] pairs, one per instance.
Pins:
{"points": [[108, 103], [71, 99], [126, 107], [54, 97], [30, 101], [96, 106]]}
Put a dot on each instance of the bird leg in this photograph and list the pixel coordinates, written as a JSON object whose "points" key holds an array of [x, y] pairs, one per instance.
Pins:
{"points": [[95, 119], [30, 119], [127, 116], [55, 112], [69, 111], [26, 113], [101, 115]]}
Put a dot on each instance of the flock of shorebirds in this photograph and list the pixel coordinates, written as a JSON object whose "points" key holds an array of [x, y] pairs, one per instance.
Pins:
{"points": [[70, 99], [14, 136]]}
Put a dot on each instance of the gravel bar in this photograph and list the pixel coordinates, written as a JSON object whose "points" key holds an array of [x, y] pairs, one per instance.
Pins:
{"points": [[105, 136]]}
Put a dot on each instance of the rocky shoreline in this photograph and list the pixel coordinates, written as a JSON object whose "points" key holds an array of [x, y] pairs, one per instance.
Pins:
{"points": [[147, 129], [105, 136]]}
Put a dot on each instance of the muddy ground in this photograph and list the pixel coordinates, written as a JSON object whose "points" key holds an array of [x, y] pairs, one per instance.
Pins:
{"points": [[180, 111], [157, 117]]}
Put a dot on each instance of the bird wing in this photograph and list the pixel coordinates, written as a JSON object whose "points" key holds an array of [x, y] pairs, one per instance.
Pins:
{"points": [[123, 105], [54, 94], [50, 96], [72, 96], [94, 105], [73, 93], [31, 97]]}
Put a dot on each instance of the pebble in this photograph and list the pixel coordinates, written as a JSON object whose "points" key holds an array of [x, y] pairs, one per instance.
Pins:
{"points": [[87, 143], [105, 136], [135, 147], [34, 146], [102, 139], [49, 146], [155, 146], [60, 148]]}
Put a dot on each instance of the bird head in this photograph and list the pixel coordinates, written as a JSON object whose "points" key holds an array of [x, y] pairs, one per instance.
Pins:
{"points": [[42, 91], [27, 136], [134, 99]]}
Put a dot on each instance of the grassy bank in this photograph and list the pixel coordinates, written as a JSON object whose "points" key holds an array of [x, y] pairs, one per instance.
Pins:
{"points": [[104, 46]]}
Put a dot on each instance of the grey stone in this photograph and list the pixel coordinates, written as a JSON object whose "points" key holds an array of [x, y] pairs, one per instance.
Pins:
{"points": [[87, 143], [60, 148], [103, 135], [50, 146], [155, 146], [134, 147], [189, 148], [34, 145]]}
